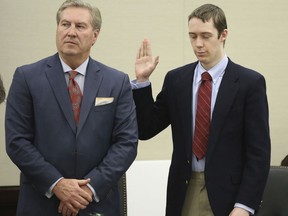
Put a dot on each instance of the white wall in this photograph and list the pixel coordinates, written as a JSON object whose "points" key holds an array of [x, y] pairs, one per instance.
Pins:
{"points": [[257, 39], [146, 187]]}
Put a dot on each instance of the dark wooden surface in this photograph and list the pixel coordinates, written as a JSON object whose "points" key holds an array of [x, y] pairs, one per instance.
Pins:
{"points": [[8, 200]]}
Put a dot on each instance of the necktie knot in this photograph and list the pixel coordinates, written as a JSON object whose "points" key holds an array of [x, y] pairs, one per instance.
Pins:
{"points": [[206, 76], [72, 74]]}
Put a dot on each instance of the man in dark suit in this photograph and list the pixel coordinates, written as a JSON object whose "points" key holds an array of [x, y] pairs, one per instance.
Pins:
{"points": [[71, 166], [230, 176]]}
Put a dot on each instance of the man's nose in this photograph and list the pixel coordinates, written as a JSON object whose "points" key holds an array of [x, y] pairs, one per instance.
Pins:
{"points": [[72, 31], [199, 42]]}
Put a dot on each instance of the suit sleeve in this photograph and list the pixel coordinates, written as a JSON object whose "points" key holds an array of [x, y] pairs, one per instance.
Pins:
{"points": [[152, 116], [20, 132], [257, 144], [124, 143]]}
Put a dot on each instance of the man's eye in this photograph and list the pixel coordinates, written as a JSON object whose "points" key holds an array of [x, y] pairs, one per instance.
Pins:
{"points": [[193, 36], [81, 27], [65, 24], [206, 36]]}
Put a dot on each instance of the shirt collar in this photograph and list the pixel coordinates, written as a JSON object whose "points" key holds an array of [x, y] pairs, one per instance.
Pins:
{"points": [[81, 69], [215, 72]]}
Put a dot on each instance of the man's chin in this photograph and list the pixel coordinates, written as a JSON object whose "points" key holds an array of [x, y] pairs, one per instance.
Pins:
{"points": [[202, 59], [69, 53]]}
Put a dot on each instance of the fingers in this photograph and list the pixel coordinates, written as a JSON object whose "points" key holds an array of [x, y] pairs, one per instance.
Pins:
{"points": [[71, 195], [145, 64], [67, 210], [74, 214], [86, 193], [83, 200], [148, 51], [144, 49], [60, 207], [83, 182], [141, 51]]}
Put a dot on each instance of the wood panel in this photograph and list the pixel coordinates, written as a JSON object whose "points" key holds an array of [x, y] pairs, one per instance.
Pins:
{"points": [[8, 200]]}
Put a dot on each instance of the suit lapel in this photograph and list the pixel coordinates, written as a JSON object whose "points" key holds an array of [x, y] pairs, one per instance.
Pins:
{"points": [[92, 83], [183, 100], [227, 92], [56, 78]]}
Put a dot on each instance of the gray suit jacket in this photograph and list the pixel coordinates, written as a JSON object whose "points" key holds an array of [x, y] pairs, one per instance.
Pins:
{"points": [[43, 141]]}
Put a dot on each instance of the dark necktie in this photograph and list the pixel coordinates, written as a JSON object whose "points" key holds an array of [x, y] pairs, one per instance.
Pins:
{"points": [[203, 112], [75, 95]]}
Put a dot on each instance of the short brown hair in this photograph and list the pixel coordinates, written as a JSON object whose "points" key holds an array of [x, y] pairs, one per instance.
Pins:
{"points": [[208, 11]]}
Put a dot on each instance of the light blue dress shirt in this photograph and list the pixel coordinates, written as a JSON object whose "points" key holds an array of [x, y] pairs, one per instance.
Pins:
{"points": [[216, 73]]}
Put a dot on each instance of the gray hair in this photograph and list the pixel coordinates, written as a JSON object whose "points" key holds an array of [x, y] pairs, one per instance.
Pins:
{"points": [[94, 11]]}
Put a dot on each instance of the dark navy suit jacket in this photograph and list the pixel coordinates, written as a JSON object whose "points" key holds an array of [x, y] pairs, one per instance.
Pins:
{"points": [[43, 141], [238, 155]]}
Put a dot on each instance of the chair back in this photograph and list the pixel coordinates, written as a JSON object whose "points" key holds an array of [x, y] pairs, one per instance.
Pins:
{"points": [[275, 198], [123, 195]]}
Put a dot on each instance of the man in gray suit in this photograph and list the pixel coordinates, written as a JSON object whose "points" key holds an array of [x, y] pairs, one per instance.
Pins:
{"points": [[71, 166], [2, 91]]}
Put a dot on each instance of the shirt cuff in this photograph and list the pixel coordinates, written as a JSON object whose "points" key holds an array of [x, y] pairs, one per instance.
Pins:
{"points": [[250, 210], [138, 85], [49, 193], [95, 197]]}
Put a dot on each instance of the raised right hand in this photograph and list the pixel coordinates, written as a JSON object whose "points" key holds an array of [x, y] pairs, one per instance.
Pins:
{"points": [[144, 64]]}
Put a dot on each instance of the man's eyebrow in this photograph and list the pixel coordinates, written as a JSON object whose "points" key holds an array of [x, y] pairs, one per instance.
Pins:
{"points": [[77, 23], [201, 33], [64, 20], [81, 23]]}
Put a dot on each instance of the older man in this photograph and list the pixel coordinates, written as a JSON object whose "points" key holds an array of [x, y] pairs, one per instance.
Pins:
{"points": [[71, 124]]}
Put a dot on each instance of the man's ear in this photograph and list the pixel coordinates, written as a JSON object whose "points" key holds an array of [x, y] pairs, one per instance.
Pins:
{"points": [[224, 35], [95, 36]]}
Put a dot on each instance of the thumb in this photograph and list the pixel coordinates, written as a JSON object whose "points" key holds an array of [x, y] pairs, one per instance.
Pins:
{"points": [[156, 61], [83, 182]]}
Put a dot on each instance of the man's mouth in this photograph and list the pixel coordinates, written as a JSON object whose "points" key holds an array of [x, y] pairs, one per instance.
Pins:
{"points": [[70, 42]]}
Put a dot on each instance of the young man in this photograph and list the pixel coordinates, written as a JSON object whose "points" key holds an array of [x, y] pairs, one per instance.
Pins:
{"points": [[220, 167], [71, 136]]}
